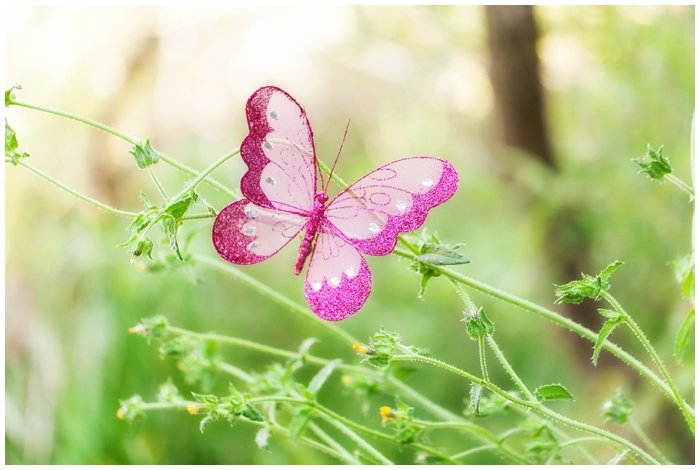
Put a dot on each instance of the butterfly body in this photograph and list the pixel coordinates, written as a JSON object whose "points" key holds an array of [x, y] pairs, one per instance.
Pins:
{"points": [[282, 198], [312, 225]]}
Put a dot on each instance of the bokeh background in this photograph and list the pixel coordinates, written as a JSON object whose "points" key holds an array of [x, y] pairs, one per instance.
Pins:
{"points": [[414, 80]]}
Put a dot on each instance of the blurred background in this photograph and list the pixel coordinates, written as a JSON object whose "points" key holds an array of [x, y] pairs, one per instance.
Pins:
{"points": [[541, 110]]}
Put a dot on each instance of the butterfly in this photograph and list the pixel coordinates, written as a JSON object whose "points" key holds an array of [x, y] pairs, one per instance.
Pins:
{"points": [[283, 196]]}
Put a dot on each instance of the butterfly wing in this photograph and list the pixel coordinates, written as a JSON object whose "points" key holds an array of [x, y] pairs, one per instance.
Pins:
{"points": [[338, 280], [393, 198], [246, 233], [279, 152]]}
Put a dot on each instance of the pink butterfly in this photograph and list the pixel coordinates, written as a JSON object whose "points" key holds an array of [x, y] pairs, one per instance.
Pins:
{"points": [[281, 198]]}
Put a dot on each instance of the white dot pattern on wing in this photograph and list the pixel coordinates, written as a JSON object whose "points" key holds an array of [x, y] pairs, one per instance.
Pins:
{"points": [[362, 211], [289, 149], [333, 260]]}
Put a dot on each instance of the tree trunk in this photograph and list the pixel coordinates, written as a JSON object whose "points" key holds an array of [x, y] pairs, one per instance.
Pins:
{"points": [[519, 107]]}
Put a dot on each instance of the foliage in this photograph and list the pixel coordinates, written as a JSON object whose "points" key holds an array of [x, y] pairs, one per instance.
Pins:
{"points": [[350, 402]]}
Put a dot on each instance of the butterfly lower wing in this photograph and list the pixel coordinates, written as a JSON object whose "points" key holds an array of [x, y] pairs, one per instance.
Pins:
{"points": [[279, 152], [245, 233], [393, 198], [338, 280]]}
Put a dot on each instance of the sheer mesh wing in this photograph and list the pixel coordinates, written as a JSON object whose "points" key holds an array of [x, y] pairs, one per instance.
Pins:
{"points": [[338, 280], [279, 152], [245, 233], [393, 198]]}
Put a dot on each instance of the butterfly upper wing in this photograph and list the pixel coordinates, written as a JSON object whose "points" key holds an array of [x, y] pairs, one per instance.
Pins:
{"points": [[245, 233], [393, 198], [338, 280], [279, 152], [280, 183]]}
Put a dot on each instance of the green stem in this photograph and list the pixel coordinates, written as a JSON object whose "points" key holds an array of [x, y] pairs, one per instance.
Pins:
{"points": [[332, 443], [681, 184], [482, 359], [343, 424], [198, 216], [689, 416], [252, 345], [191, 171], [201, 176], [475, 450], [343, 427], [648, 442], [75, 117], [531, 405], [116, 133], [234, 371], [431, 406], [75, 193], [156, 182], [556, 318], [271, 293], [484, 435], [509, 369]]}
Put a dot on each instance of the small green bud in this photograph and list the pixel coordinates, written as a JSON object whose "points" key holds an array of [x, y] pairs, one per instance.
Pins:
{"points": [[9, 96], [151, 328], [618, 410], [654, 164], [144, 154], [478, 324], [131, 409]]}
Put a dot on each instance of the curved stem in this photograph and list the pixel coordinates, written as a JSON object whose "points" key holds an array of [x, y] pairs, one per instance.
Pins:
{"points": [[689, 417], [648, 442], [75, 193], [75, 117], [556, 318], [681, 184], [126, 138], [332, 443], [484, 435], [509, 369], [156, 182], [531, 405], [271, 293], [346, 424]]}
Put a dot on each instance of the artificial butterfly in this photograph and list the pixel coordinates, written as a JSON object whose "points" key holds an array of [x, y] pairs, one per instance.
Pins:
{"points": [[282, 197]]}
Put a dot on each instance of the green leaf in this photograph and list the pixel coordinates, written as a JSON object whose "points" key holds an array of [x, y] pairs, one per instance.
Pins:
{"points": [[553, 392], [683, 335], [607, 272], [11, 145], [684, 270], [321, 376], [654, 164], [298, 425], [440, 255], [144, 154], [178, 208], [431, 252], [587, 287], [605, 331], [251, 412], [475, 398], [138, 247], [9, 96]]}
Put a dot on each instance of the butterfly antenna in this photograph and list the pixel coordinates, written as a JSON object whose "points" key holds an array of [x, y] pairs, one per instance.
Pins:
{"points": [[330, 175]]}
